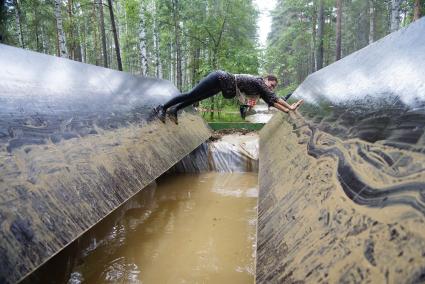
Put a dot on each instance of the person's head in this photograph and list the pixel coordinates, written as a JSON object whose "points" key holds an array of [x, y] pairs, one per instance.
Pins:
{"points": [[271, 81]]}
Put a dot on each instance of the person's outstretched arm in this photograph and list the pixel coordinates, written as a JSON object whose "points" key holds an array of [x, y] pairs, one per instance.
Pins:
{"points": [[272, 100], [280, 107], [294, 106]]}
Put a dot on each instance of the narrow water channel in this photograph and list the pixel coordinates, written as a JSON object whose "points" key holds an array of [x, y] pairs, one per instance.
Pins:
{"points": [[189, 229]]}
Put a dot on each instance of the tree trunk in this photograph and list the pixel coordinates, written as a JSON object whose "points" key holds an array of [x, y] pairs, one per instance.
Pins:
{"points": [[3, 28], [37, 38], [97, 54], [328, 55], [123, 29], [18, 19], [313, 38], [84, 43], [58, 53], [38, 44], [114, 31], [63, 51], [103, 34], [195, 65], [142, 38], [217, 45], [171, 66], [395, 15], [158, 65], [320, 32], [338, 29], [44, 45], [417, 11], [156, 40], [71, 41], [371, 21], [177, 43], [78, 52], [77, 39]]}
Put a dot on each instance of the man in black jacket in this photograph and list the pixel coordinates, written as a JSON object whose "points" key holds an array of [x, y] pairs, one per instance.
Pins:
{"points": [[245, 87]]}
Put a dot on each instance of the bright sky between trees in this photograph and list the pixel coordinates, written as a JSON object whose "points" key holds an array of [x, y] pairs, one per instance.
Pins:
{"points": [[264, 19]]}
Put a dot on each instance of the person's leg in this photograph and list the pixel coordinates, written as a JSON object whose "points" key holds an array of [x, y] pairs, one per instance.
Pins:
{"points": [[208, 87], [198, 98], [243, 110], [172, 112]]}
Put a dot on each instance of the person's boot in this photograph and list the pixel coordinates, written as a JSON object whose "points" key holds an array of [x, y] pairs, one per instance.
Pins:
{"points": [[172, 114], [159, 112]]}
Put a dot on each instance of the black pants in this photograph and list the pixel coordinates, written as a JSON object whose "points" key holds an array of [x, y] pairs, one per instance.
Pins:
{"points": [[208, 87]]}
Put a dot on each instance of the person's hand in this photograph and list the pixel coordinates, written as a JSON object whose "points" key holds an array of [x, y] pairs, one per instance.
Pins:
{"points": [[296, 105]]}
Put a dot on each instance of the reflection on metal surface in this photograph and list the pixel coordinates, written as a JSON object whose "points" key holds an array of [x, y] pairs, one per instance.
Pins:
{"points": [[45, 98], [376, 94], [390, 67], [75, 143], [342, 187]]}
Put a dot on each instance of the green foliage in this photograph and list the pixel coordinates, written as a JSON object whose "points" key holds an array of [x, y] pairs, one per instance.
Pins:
{"points": [[207, 35], [215, 34], [293, 40]]}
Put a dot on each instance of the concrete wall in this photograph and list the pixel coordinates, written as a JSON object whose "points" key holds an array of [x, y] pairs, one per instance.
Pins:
{"points": [[342, 183], [75, 143]]}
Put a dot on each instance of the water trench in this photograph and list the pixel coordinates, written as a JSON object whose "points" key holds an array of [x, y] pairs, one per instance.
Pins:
{"points": [[195, 224]]}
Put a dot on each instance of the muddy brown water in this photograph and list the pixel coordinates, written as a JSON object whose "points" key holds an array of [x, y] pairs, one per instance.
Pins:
{"points": [[187, 229]]}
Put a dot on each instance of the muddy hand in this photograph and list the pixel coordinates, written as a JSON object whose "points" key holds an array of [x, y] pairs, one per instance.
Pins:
{"points": [[297, 104]]}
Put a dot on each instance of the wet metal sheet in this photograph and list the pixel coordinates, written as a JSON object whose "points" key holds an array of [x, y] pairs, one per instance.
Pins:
{"points": [[75, 143], [342, 183]]}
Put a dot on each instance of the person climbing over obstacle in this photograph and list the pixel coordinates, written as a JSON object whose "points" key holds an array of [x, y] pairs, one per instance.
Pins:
{"points": [[245, 87]]}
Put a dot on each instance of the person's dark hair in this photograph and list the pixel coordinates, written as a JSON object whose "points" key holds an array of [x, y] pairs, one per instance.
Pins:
{"points": [[271, 77]]}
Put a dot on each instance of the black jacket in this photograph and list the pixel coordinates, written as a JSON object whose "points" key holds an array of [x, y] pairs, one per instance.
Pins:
{"points": [[250, 85]]}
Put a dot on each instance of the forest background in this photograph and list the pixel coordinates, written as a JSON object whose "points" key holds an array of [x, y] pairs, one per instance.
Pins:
{"points": [[183, 40]]}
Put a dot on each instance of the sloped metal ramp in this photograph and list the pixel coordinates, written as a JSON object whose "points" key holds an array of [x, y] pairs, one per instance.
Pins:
{"points": [[75, 143], [342, 186]]}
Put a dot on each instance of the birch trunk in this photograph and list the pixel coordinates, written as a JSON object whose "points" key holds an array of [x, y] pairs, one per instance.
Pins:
{"points": [[371, 22], [81, 43], [84, 42], [19, 23], [63, 51], [142, 38], [71, 43], [395, 15], [43, 40], [156, 39]]}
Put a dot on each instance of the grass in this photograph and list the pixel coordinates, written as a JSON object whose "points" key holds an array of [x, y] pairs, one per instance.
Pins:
{"points": [[223, 117], [228, 113]]}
